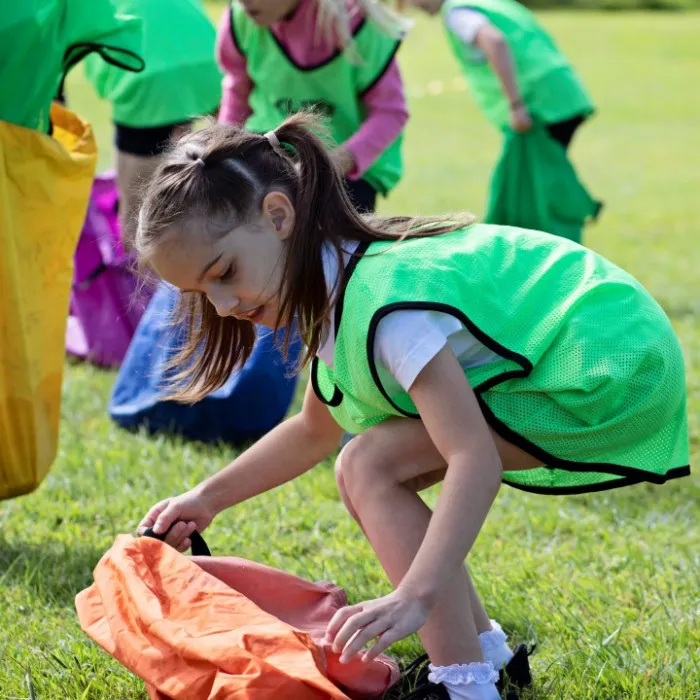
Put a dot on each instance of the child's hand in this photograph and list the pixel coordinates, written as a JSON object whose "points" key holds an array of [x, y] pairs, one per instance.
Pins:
{"points": [[189, 511], [390, 618], [520, 118]]}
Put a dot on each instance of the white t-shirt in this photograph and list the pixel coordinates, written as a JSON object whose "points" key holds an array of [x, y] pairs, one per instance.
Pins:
{"points": [[406, 340], [466, 23]]}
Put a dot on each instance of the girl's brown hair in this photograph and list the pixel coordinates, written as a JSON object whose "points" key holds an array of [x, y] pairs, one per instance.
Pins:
{"points": [[215, 179]]}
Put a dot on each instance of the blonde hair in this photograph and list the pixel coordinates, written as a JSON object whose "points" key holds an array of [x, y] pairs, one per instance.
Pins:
{"points": [[335, 22]]}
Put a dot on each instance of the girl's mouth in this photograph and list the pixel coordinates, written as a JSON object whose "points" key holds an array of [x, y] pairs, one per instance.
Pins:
{"points": [[254, 315]]}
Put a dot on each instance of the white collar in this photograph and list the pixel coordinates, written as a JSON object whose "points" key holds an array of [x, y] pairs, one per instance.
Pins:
{"points": [[333, 277]]}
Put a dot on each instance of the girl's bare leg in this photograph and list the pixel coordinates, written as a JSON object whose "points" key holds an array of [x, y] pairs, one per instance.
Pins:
{"points": [[379, 474], [133, 172]]}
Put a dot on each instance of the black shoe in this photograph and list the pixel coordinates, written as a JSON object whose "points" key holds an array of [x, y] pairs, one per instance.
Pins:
{"points": [[423, 689], [428, 691], [515, 676], [421, 664]]}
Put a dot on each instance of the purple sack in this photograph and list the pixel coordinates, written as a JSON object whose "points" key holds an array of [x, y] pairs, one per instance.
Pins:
{"points": [[104, 310]]}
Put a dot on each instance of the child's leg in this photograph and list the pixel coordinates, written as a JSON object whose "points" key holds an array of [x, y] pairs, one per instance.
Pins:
{"points": [[380, 473], [472, 612], [481, 618], [139, 153]]}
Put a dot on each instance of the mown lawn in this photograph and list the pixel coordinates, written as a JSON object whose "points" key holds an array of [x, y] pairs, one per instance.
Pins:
{"points": [[606, 584]]}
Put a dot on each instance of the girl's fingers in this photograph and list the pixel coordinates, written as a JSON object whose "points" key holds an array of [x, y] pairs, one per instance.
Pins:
{"points": [[177, 534], [375, 629], [338, 620], [352, 625], [152, 515], [385, 640], [191, 527], [184, 546], [166, 518]]}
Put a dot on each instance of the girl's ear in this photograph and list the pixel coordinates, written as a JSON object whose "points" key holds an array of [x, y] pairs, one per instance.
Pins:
{"points": [[279, 213]]}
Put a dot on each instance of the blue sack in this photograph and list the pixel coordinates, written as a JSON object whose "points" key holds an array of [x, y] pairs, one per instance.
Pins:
{"points": [[252, 402]]}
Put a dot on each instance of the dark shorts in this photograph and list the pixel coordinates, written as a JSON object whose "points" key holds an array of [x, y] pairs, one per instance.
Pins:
{"points": [[363, 195], [143, 141], [564, 131], [138, 141]]}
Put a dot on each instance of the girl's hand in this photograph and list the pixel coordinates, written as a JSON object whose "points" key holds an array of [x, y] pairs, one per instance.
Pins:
{"points": [[390, 618], [520, 118], [190, 511]]}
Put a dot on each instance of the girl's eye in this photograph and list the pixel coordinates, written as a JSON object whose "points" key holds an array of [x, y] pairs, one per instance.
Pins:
{"points": [[227, 274]]}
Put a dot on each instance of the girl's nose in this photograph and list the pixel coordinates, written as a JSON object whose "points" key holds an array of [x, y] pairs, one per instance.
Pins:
{"points": [[224, 306]]}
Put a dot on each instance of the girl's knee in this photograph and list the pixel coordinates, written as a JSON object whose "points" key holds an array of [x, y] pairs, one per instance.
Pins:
{"points": [[344, 497], [358, 466], [338, 470]]}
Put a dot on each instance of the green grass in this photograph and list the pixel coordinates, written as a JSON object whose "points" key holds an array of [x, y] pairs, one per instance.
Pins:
{"points": [[606, 584]]}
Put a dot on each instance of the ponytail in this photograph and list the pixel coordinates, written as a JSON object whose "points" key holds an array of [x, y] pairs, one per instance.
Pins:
{"points": [[215, 179], [323, 213]]}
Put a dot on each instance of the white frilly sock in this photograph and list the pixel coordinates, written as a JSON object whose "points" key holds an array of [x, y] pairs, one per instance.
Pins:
{"points": [[494, 647], [475, 681]]}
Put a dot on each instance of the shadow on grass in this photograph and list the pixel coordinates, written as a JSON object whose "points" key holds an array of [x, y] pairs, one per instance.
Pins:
{"points": [[52, 572]]}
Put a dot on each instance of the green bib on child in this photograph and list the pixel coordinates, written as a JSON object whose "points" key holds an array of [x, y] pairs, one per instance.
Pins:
{"points": [[40, 41], [181, 81], [549, 85], [590, 378], [334, 88]]}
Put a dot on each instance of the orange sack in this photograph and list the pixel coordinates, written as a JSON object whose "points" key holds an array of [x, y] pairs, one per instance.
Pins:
{"points": [[219, 628]]}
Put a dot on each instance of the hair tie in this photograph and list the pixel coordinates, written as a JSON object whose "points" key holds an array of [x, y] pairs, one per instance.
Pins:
{"points": [[271, 136]]}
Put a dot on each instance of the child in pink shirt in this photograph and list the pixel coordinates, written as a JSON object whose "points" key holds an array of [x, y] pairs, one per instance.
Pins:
{"points": [[280, 56]]}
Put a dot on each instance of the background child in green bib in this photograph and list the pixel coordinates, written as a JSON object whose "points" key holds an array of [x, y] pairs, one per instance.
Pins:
{"points": [[47, 164], [466, 353], [181, 82], [337, 56], [517, 75]]}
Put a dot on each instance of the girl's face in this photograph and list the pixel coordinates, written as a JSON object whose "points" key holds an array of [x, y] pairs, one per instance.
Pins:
{"points": [[266, 12], [241, 272]]}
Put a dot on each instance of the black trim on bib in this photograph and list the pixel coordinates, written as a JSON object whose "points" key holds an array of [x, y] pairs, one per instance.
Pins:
{"points": [[337, 397], [77, 52], [384, 69], [330, 59], [350, 268], [233, 31], [634, 478], [628, 475], [525, 364], [303, 69]]}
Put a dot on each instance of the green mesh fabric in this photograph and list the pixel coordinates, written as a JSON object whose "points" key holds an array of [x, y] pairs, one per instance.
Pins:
{"points": [[181, 80], [41, 40], [591, 379]]}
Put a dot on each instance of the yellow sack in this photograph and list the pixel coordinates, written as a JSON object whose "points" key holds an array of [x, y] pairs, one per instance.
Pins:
{"points": [[44, 189]]}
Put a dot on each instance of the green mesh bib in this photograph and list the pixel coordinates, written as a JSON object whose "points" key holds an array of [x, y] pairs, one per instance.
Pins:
{"points": [[41, 40], [590, 378], [550, 88], [181, 80], [335, 88]]}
